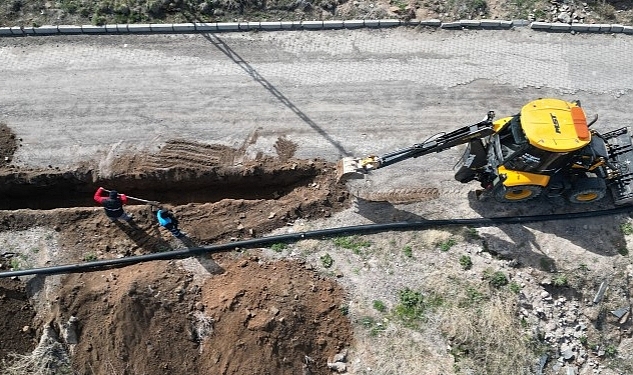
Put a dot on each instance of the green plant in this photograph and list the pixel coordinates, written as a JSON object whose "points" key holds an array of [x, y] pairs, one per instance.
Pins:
{"points": [[515, 288], [560, 280], [90, 257], [15, 264], [278, 247], [623, 250], [472, 233], [379, 305], [583, 340], [327, 260], [473, 297], [408, 251], [583, 267], [610, 351], [35, 249], [498, 279], [372, 325], [367, 321], [344, 309], [354, 243], [446, 245], [626, 228], [466, 262], [410, 310]]}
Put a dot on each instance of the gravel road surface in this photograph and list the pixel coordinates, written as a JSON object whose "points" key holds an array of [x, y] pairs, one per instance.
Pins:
{"points": [[89, 98]]}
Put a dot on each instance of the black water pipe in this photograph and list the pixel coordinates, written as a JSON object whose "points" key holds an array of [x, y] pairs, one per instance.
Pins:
{"points": [[321, 233]]}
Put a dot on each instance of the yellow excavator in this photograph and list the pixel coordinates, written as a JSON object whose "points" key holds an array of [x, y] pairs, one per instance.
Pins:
{"points": [[547, 148]]}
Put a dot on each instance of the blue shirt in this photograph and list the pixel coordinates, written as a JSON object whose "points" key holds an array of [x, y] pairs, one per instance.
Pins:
{"points": [[162, 220]]}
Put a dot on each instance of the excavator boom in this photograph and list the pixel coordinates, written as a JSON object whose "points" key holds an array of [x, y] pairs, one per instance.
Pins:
{"points": [[351, 167]]}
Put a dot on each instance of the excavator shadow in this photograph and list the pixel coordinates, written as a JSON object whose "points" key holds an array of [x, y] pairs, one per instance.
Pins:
{"points": [[381, 212], [601, 235], [528, 244]]}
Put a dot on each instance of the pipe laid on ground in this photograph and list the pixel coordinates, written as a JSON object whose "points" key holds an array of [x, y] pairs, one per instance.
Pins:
{"points": [[293, 237]]}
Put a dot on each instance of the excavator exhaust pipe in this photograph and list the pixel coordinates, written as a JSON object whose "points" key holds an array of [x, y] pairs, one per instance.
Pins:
{"points": [[348, 168]]}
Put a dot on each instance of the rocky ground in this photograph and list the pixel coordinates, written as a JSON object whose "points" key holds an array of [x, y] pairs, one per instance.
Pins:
{"points": [[43, 12]]}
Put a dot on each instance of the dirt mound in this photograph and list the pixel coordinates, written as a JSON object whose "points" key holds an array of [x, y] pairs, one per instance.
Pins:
{"points": [[256, 317], [8, 145], [17, 334]]}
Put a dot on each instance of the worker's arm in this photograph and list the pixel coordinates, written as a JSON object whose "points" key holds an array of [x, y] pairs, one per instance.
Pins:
{"points": [[98, 197]]}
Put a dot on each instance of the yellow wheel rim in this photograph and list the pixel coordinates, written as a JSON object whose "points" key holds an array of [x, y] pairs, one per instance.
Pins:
{"points": [[586, 197], [518, 194]]}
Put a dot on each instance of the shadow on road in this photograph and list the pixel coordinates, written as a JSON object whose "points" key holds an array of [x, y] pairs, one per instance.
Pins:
{"points": [[384, 212], [239, 61], [600, 235]]}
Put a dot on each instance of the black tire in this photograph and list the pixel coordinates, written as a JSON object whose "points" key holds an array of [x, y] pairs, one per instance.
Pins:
{"points": [[521, 193], [587, 190]]}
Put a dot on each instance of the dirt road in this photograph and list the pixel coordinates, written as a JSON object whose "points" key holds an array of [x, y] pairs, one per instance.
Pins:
{"points": [[333, 93]]}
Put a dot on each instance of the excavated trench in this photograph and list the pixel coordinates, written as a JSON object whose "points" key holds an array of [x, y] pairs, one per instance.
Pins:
{"points": [[181, 172], [43, 190]]}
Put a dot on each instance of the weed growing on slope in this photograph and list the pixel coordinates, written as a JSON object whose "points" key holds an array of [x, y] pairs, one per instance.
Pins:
{"points": [[278, 247], [379, 305], [354, 243], [466, 262], [446, 245], [327, 260]]}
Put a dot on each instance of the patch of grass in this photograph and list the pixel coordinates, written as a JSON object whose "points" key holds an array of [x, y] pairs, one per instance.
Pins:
{"points": [[623, 250], [35, 249], [278, 247], [487, 336], [583, 340], [408, 251], [466, 9], [372, 325], [466, 262], [15, 264], [410, 309], [379, 305], [326, 260], [626, 228], [354, 243], [446, 245], [473, 297], [610, 351], [515, 288], [583, 267], [90, 257], [560, 280], [496, 279], [471, 233], [344, 309]]}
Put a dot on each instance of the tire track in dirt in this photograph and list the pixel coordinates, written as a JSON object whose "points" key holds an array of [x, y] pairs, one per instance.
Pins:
{"points": [[400, 196], [188, 154]]}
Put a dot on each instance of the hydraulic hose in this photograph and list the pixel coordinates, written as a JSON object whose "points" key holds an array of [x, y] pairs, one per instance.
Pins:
{"points": [[320, 233]]}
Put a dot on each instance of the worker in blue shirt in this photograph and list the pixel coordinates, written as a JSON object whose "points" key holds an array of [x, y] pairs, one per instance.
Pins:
{"points": [[167, 220]]}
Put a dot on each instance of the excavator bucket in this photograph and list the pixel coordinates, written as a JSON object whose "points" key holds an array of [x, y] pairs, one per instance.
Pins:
{"points": [[348, 168]]}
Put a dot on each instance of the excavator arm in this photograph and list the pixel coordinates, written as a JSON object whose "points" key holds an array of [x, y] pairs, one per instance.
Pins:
{"points": [[352, 167]]}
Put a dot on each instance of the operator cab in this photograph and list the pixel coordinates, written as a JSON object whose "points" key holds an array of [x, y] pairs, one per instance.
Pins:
{"points": [[543, 137]]}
